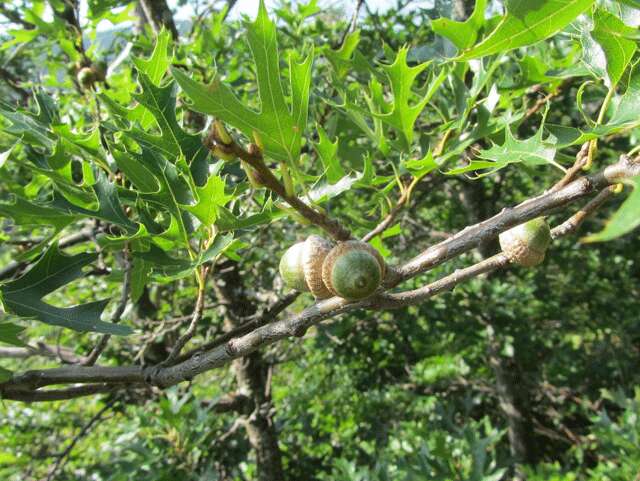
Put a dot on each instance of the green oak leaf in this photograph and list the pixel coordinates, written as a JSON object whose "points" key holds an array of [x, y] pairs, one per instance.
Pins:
{"points": [[531, 151], [278, 127], [109, 206], [400, 114], [625, 219], [175, 268], [9, 331], [328, 154], [608, 48], [26, 213], [161, 102], [154, 68], [210, 198], [341, 59], [527, 22], [462, 34], [624, 116], [27, 126], [54, 270]]}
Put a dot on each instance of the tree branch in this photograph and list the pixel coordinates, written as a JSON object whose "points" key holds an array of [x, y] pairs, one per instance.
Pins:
{"points": [[296, 325], [65, 354]]}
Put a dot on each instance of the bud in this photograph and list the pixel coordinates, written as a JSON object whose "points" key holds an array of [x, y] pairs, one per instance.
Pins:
{"points": [[221, 133]]}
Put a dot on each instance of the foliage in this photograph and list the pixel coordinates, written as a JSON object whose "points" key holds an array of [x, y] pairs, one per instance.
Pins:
{"points": [[461, 118]]}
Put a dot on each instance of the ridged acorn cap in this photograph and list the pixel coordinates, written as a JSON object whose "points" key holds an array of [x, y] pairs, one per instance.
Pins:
{"points": [[526, 244], [353, 270], [314, 251], [291, 268]]}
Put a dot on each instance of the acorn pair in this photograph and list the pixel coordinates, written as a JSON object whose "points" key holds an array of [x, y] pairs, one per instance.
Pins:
{"points": [[352, 270]]}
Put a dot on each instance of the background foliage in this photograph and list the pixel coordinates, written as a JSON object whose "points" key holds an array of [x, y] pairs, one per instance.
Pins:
{"points": [[482, 110]]}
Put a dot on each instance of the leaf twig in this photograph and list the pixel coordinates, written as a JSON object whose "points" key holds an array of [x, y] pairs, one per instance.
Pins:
{"points": [[264, 176]]}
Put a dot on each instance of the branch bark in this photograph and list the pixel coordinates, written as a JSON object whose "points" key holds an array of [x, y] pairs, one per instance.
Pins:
{"points": [[159, 15]]}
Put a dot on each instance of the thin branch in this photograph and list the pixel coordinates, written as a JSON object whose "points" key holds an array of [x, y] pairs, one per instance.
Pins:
{"points": [[265, 177], [78, 238], [298, 324], [265, 318], [570, 174], [402, 201], [117, 315], [66, 355], [353, 23], [57, 394], [575, 221], [195, 318], [62, 458]]}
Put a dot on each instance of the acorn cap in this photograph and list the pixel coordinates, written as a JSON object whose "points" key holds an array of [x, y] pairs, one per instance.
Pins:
{"points": [[314, 252], [353, 270], [291, 268], [526, 244]]}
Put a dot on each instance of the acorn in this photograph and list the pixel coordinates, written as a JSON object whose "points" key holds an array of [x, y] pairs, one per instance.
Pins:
{"points": [[86, 77], [526, 244], [353, 270], [314, 252], [301, 266], [291, 268]]}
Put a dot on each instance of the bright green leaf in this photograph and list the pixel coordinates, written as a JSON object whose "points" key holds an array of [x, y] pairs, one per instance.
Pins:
{"points": [[625, 219], [527, 22]]}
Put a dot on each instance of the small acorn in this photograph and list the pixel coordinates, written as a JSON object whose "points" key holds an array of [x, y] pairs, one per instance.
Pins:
{"points": [[526, 244], [314, 252], [291, 269], [353, 270], [301, 266]]}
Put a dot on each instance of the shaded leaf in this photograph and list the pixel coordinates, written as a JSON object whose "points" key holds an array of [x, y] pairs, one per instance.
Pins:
{"points": [[54, 270]]}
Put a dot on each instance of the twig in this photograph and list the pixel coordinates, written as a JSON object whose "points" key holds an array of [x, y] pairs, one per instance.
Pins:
{"points": [[393, 213], [265, 318], [353, 23], [195, 318], [49, 395], [63, 457], [265, 177], [570, 174], [117, 315], [575, 221], [66, 355]]}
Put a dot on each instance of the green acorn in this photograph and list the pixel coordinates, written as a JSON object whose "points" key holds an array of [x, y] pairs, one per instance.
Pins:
{"points": [[526, 244], [353, 270]]}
